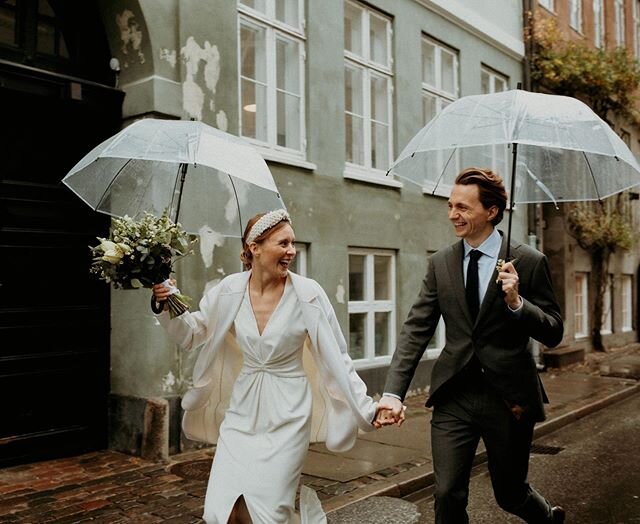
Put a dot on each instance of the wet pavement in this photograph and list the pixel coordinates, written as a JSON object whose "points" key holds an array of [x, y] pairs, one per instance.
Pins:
{"points": [[111, 487]]}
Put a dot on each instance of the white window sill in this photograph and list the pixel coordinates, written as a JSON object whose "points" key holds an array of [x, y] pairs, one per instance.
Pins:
{"points": [[627, 329], [372, 176], [372, 363], [283, 156], [580, 336]]}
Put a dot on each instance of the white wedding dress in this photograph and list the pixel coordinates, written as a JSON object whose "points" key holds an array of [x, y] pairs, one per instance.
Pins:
{"points": [[265, 434]]}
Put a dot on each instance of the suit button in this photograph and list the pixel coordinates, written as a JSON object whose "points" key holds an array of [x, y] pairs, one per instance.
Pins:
{"points": [[482, 370]]}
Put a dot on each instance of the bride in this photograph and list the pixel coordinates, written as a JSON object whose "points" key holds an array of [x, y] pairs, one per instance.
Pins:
{"points": [[254, 327]]}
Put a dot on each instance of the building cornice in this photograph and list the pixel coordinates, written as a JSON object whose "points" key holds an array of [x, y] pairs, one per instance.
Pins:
{"points": [[470, 21]]}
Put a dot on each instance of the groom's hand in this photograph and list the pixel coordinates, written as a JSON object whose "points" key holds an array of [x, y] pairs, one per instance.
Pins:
{"points": [[390, 411]]}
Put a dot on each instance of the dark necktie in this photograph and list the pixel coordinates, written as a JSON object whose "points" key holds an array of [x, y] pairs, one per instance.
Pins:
{"points": [[472, 290]]}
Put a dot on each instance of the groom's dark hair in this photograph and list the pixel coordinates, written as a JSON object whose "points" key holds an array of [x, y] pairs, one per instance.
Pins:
{"points": [[490, 186]]}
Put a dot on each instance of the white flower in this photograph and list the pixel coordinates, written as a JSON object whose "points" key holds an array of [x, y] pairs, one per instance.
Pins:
{"points": [[113, 252]]}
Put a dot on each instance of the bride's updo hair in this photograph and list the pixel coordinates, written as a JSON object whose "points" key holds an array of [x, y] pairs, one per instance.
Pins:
{"points": [[272, 226]]}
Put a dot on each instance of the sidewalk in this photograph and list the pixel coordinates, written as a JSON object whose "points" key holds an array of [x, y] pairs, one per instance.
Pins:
{"points": [[110, 487]]}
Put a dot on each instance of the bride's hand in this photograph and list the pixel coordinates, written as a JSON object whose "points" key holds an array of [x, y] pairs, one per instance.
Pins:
{"points": [[160, 292]]}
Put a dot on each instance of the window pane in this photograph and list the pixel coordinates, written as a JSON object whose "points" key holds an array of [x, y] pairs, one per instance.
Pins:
{"points": [[382, 334], [7, 24], [354, 139], [258, 5], [382, 270], [378, 39], [254, 110], [448, 72], [252, 48], [288, 65], [353, 90], [357, 323], [353, 28], [485, 83], [46, 42], [379, 146], [287, 12], [428, 63], [500, 84], [354, 122], [429, 107], [288, 120], [356, 277], [380, 98]]}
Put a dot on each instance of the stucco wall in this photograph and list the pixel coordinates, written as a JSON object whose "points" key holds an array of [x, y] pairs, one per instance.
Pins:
{"points": [[329, 212]]}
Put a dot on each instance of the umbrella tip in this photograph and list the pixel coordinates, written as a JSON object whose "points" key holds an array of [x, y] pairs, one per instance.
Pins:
{"points": [[388, 171], [413, 154]]}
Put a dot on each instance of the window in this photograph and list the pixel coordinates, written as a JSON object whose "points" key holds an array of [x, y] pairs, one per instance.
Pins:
{"points": [[299, 265], [607, 321], [8, 22], [598, 23], [627, 302], [372, 305], [636, 27], [581, 315], [368, 85], [492, 82], [34, 28], [440, 83], [547, 4], [271, 66], [619, 19], [575, 14]]}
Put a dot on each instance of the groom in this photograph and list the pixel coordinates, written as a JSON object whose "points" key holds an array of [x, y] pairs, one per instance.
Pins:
{"points": [[484, 383]]}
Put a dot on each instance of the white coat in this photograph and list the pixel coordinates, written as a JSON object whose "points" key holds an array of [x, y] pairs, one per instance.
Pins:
{"points": [[340, 402]]}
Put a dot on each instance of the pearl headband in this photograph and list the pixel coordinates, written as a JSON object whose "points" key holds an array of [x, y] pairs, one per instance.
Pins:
{"points": [[267, 222]]}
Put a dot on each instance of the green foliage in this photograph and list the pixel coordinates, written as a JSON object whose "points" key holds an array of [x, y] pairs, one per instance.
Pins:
{"points": [[606, 80], [599, 230]]}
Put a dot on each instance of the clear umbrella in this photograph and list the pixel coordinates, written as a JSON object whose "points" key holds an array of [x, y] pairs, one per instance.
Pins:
{"points": [[560, 150], [203, 176]]}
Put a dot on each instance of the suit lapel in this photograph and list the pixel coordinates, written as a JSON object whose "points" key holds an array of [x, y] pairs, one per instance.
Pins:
{"points": [[455, 269]]}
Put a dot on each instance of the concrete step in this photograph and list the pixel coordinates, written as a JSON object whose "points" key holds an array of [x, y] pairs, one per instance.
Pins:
{"points": [[376, 510], [562, 356]]}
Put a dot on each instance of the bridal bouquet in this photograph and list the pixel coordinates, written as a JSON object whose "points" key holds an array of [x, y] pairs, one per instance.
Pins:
{"points": [[139, 254]]}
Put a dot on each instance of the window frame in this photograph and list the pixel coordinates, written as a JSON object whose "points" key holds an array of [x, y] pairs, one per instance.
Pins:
{"points": [[584, 303], [370, 306], [549, 5], [273, 30], [636, 28], [302, 255], [620, 22], [598, 23], [575, 7], [370, 69]]}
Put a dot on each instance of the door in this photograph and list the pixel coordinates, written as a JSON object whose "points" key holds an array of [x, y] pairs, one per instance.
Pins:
{"points": [[54, 315]]}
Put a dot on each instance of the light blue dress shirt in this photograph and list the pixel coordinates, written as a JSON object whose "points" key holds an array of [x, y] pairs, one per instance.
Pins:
{"points": [[490, 250]]}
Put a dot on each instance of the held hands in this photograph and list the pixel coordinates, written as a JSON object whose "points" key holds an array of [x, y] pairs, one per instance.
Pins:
{"points": [[508, 278], [390, 411]]}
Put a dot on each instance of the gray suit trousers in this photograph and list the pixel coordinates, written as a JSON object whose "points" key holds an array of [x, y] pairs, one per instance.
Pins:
{"points": [[468, 410]]}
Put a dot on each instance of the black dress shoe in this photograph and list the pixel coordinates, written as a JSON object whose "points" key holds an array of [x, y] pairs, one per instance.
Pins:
{"points": [[557, 514]]}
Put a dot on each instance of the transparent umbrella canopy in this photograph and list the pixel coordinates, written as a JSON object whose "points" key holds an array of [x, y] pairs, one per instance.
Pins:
{"points": [[556, 147], [204, 177]]}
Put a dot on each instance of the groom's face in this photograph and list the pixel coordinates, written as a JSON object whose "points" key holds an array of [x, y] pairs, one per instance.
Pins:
{"points": [[470, 219]]}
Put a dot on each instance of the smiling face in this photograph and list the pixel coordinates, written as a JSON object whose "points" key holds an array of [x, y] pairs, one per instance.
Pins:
{"points": [[276, 252], [470, 219]]}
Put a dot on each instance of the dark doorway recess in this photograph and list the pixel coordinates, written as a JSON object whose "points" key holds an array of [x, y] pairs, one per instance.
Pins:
{"points": [[54, 316]]}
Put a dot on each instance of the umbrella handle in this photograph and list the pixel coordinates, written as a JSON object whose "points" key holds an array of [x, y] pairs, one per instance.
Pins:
{"points": [[156, 307]]}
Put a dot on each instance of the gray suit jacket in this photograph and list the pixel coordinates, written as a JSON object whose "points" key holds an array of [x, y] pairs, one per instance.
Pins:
{"points": [[498, 339]]}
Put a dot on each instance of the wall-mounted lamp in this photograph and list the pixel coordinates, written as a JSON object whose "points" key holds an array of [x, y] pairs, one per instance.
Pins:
{"points": [[114, 64]]}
